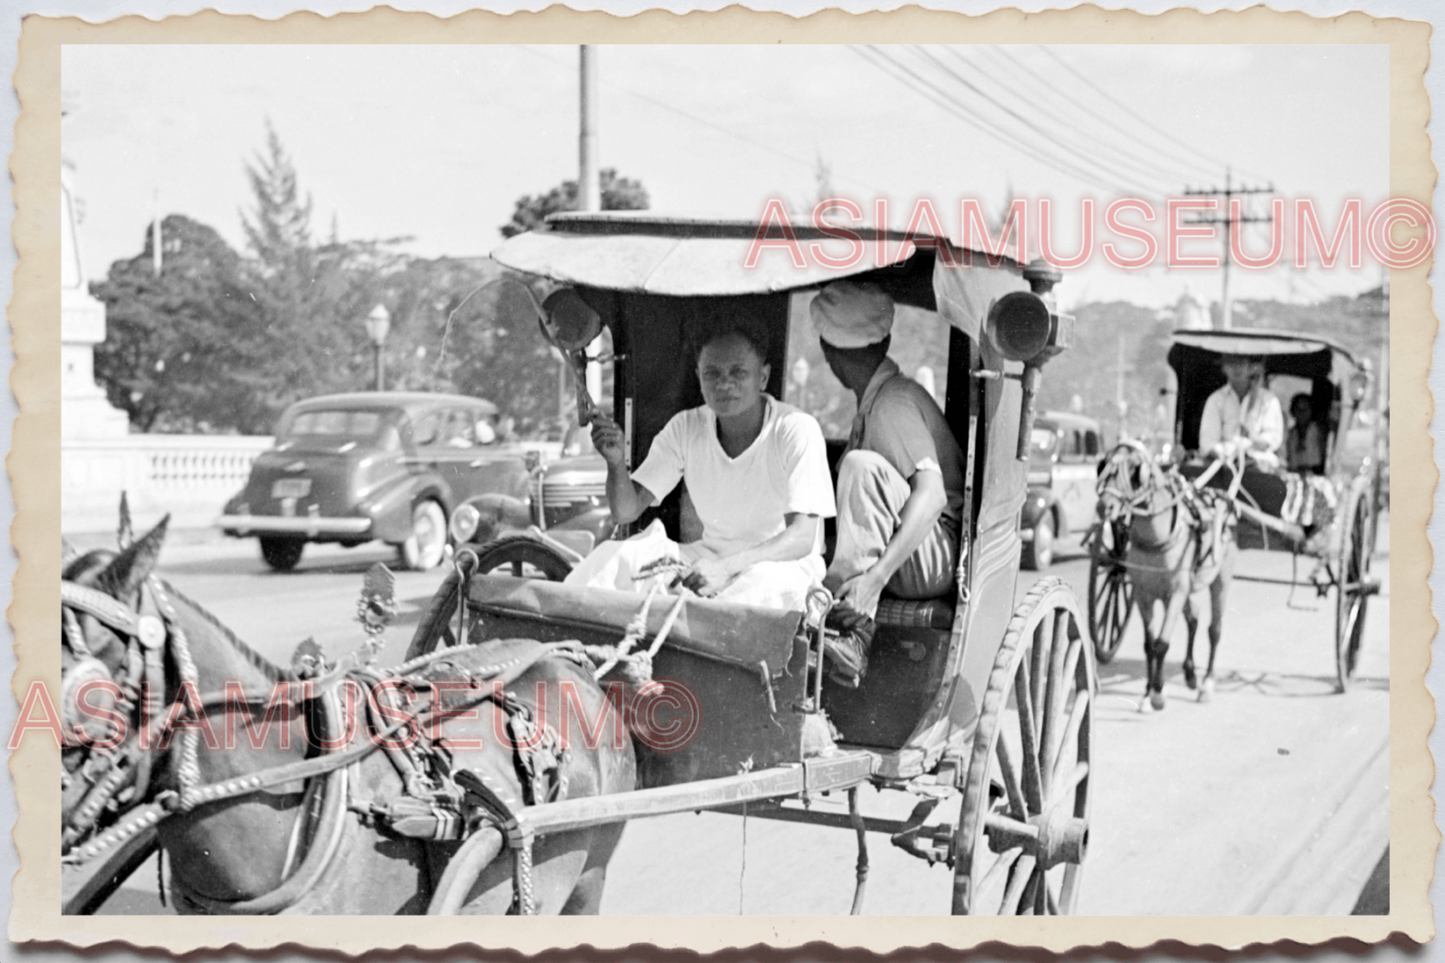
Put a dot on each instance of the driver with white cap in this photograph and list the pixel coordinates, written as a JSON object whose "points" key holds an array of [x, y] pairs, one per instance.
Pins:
{"points": [[900, 481]]}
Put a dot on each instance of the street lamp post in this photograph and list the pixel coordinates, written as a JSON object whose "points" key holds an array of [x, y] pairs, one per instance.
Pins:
{"points": [[378, 323]]}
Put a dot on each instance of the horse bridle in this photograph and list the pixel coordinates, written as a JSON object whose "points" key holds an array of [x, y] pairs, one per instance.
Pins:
{"points": [[127, 765]]}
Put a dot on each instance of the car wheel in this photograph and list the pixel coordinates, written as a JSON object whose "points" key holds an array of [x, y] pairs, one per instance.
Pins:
{"points": [[281, 553], [423, 550], [1039, 553]]}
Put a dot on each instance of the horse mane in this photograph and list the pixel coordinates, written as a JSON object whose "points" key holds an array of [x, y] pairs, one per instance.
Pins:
{"points": [[93, 562], [273, 671]]}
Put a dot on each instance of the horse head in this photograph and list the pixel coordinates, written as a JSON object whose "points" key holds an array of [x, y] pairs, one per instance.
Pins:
{"points": [[1137, 492], [100, 678]]}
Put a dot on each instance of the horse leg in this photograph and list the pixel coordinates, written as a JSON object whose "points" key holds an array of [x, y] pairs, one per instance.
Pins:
{"points": [[586, 898], [1218, 597], [1154, 613], [1191, 625], [1172, 607]]}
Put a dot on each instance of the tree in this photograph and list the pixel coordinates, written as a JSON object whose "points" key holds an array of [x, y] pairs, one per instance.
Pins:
{"points": [[312, 296], [618, 194], [179, 344]]}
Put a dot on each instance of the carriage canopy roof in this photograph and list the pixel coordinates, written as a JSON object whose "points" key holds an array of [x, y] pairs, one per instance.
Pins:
{"points": [[648, 253], [1284, 352]]}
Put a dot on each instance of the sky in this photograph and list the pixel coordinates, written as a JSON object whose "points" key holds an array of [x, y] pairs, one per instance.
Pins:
{"points": [[437, 143]]}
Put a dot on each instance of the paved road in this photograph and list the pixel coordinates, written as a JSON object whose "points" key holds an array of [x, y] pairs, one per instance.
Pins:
{"points": [[1272, 798]]}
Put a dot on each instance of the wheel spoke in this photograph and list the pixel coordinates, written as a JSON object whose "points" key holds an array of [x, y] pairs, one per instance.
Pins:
{"points": [[1010, 778], [1023, 871], [1071, 661], [1051, 905], [1053, 697], [1061, 758], [1033, 785], [1003, 864], [1070, 887], [1069, 783], [1038, 656]]}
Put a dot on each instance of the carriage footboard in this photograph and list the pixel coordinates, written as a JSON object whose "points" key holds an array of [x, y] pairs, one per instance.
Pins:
{"points": [[841, 771]]}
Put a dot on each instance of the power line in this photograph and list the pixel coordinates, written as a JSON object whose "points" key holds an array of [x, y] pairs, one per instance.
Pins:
{"points": [[761, 145], [1129, 110], [1061, 92], [1123, 156], [1028, 122], [921, 86]]}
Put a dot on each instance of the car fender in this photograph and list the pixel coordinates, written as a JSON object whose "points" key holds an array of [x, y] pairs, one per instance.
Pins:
{"points": [[501, 514], [596, 520], [389, 506]]}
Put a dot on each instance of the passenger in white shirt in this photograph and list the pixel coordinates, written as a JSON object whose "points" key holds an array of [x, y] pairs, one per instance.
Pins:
{"points": [[757, 472], [1243, 415]]}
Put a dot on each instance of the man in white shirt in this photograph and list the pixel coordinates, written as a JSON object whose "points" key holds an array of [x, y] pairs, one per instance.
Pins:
{"points": [[1243, 415], [757, 472]]}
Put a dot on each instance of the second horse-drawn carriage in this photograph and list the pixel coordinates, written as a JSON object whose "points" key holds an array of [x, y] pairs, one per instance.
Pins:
{"points": [[981, 708], [1325, 510]]}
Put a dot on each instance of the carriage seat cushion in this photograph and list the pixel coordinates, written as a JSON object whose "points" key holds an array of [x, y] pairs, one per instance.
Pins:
{"points": [[743, 635], [916, 613]]}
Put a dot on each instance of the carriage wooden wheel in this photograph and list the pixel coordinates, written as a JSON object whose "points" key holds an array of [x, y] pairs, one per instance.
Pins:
{"points": [[1354, 584], [1024, 829], [516, 555], [1111, 594]]}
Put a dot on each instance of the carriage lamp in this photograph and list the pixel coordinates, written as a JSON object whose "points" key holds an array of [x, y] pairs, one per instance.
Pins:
{"points": [[378, 324], [1021, 327], [571, 325]]}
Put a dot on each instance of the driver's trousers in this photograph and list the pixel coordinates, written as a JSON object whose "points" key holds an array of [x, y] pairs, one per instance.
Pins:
{"points": [[871, 495]]}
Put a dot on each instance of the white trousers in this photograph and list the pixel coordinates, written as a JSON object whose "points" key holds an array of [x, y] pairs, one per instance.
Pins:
{"points": [[615, 565], [871, 495]]}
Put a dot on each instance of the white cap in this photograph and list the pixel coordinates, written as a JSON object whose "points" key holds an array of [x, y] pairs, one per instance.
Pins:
{"points": [[849, 314]]}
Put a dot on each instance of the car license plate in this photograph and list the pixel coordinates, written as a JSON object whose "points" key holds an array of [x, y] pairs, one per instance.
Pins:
{"points": [[291, 488]]}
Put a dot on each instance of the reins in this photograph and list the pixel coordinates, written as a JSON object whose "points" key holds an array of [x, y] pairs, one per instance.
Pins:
{"points": [[461, 808]]}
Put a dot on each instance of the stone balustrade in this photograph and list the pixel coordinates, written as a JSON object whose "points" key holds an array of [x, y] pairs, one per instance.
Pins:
{"points": [[189, 476]]}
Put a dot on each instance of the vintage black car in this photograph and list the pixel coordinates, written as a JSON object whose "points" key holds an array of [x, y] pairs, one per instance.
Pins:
{"points": [[376, 465], [1064, 453]]}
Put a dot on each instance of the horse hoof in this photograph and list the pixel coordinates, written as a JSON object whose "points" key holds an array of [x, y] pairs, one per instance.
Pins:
{"points": [[1189, 679], [1206, 691], [1157, 700]]}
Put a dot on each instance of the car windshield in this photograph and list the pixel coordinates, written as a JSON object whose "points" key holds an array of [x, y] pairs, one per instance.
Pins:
{"points": [[335, 423], [1041, 443]]}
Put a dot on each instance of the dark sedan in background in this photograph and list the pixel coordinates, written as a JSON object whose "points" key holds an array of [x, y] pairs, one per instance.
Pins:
{"points": [[1064, 453], [377, 465]]}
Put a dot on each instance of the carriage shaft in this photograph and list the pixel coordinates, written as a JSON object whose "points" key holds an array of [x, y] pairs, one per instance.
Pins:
{"points": [[813, 775]]}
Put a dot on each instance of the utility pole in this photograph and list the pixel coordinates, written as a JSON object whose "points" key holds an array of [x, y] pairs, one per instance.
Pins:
{"points": [[156, 232], [1225, 319], [1120, 405], [589, 191]]}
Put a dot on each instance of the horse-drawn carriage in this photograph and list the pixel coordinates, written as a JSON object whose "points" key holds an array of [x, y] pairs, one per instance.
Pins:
{"points": [[730, 707], [1327, 512]]}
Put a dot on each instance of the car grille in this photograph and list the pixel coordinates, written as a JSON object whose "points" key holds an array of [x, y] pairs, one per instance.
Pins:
{"points": [[558, 494]]}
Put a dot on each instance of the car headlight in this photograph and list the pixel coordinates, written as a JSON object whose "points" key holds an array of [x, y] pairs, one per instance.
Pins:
{"points": [[464, 524]]}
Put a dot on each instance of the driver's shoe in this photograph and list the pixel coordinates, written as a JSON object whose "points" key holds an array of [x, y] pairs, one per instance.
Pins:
{"points": [[846, 640]]}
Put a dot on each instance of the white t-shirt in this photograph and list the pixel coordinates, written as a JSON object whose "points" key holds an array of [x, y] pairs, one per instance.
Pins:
{"points": [[742, 501], [1226, 419]]}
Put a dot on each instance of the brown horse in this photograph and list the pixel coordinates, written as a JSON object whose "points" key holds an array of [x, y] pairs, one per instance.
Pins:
{"points": [[1180, 546], [268, 823]]}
